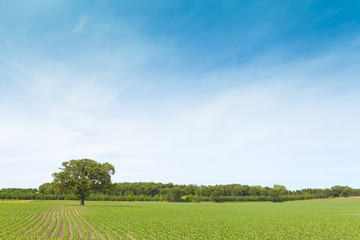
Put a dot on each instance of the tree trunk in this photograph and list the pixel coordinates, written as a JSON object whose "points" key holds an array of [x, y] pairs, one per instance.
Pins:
{"points": [[82, 201]]}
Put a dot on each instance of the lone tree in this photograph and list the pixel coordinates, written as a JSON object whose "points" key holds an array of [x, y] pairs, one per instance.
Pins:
{"points": [[82, 176]]}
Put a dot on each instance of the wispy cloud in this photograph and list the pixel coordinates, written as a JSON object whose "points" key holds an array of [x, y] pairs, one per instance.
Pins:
{"points": [[191, 106], [254, 132], [80, 25]]}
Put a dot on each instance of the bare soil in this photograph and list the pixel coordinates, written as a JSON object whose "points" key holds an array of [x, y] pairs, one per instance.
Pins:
{"points": [[29, 226], [130, 235], [56, 223], [80, 233], [62, 227], [17, 201], [44, 219], [71, 232], [48, 225]]}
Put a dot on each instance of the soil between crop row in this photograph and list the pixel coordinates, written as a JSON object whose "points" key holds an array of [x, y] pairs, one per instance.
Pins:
{"points": [[57, 222]]}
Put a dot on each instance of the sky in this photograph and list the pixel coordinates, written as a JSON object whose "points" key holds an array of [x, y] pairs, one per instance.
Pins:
{"points": [[189, 92]]}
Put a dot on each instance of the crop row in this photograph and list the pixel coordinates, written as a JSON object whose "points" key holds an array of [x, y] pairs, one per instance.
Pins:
{"points": [[315, 219], [48, 221]]}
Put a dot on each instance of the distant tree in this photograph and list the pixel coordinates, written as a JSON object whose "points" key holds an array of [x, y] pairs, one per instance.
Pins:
{"points": [[326, 193], [336, 190], [346, 191], [215, 195], [276, 192], [253, 191], [189, 190], [237, 191], [82, 176], [174, 194], [46, 188]]}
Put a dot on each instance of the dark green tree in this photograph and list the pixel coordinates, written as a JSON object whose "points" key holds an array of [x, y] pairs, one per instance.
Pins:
{"points": [[336, 190], [215, 196], [326, 193], [346, 191], [46, 188], [276, 192], [82, 176], [237, 191], [174, 194]]}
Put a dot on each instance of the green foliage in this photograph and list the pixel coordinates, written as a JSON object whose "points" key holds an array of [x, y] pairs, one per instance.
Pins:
{"points": [[276, 192], [335, 218], [215, 196], [326, 193], [82, 176], [46, 188], [345, 191], [149, 191], [18, 193], [174, 194]]}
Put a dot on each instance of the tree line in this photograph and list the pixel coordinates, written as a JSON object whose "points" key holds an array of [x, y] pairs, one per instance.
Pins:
{"points": [[149, 191]]}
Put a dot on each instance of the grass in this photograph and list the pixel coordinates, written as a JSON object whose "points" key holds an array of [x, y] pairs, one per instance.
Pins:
{"points": [[310, 219]]}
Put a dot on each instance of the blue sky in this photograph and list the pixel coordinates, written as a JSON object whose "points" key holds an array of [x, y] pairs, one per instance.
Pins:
{"points": [[203, 92]]}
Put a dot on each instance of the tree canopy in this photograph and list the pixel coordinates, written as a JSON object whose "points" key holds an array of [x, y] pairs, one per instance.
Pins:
{"points": [[276, 192], [150, 191], [82, 176]]}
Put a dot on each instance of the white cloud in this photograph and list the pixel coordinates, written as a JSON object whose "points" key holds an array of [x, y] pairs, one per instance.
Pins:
{"points": [[80, 25], [255, 135], [263, 125]]}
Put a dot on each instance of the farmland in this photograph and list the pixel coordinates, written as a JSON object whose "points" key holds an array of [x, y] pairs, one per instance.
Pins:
{"points": [[337, 218]]}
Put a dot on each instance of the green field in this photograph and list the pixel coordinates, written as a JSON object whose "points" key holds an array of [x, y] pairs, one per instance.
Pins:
{"points": [[310, 219]]}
